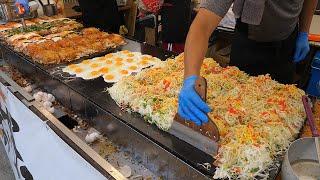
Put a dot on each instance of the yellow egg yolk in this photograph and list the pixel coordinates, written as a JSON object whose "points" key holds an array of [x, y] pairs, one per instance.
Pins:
{"points": [[104, 70], [109, 56], [124, 72], [125, 52], [118, 63], [144, 62], [94, 65], [100, 59], [129, 60], [78, 70], [118, 59], [94, 73], [130, 55], [108, 61], [146, 58], [109, 77], [86, 62], [133, 67]]}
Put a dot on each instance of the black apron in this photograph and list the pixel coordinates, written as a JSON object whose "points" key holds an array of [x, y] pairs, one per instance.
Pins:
{"points": [[176, 19], [102, 14], [257, 58]]}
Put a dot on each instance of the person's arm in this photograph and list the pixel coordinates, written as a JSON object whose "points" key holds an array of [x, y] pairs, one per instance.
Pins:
{"points": [[309, 6], [302, 43], [191, 106], [197, 40], [24, 3]]}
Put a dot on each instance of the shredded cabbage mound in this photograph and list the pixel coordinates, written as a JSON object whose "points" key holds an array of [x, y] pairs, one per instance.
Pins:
{"points": [[257, 116]]}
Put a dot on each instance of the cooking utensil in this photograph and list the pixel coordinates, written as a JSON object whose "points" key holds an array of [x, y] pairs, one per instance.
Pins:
{"points": [[311, 123], [49, 9], [203, 137], [310, 119], [41, 3], [302, 160], [317, 148]]}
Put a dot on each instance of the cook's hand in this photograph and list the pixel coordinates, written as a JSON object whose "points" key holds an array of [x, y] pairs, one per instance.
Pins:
{"points": [[302, 47], [25, 4], [191, 106]]}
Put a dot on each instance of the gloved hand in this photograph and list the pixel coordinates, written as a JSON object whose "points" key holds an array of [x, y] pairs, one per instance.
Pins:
{"points": [[191, 106], [302, 47], [25, 4]]}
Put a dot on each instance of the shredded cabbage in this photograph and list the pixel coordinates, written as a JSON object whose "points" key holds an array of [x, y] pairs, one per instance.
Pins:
{"points": [[257, 117]]}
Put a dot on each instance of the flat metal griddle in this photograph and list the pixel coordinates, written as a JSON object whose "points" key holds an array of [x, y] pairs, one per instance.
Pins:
{"points": [[94, 91], [89, 98]]}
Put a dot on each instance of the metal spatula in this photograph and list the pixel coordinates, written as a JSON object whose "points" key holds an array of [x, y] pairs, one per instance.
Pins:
{"points": [[203, 137]]}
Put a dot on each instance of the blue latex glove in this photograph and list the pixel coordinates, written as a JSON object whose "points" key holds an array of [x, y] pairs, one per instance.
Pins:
{"points": [[302, 47], [191, 106], [25, 4]]}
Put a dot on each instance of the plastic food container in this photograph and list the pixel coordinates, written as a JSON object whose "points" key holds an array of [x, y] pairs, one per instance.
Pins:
{"points": [[300, 161]]}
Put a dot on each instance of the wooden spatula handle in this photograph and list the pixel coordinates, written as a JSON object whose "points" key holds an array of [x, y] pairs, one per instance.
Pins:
{"points": [[201, 87], [211, 128]]}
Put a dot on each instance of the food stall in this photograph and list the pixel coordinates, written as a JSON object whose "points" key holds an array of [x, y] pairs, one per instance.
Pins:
{"points": [[89, 100], [85, 104]]}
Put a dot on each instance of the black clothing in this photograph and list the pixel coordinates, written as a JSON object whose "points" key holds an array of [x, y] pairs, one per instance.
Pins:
{"points": [[102, 14], [175, 18], [256, 58]]}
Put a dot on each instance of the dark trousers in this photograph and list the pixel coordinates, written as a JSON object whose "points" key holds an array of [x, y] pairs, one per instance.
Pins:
{"points": [[257, 58], [102, 14]]}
